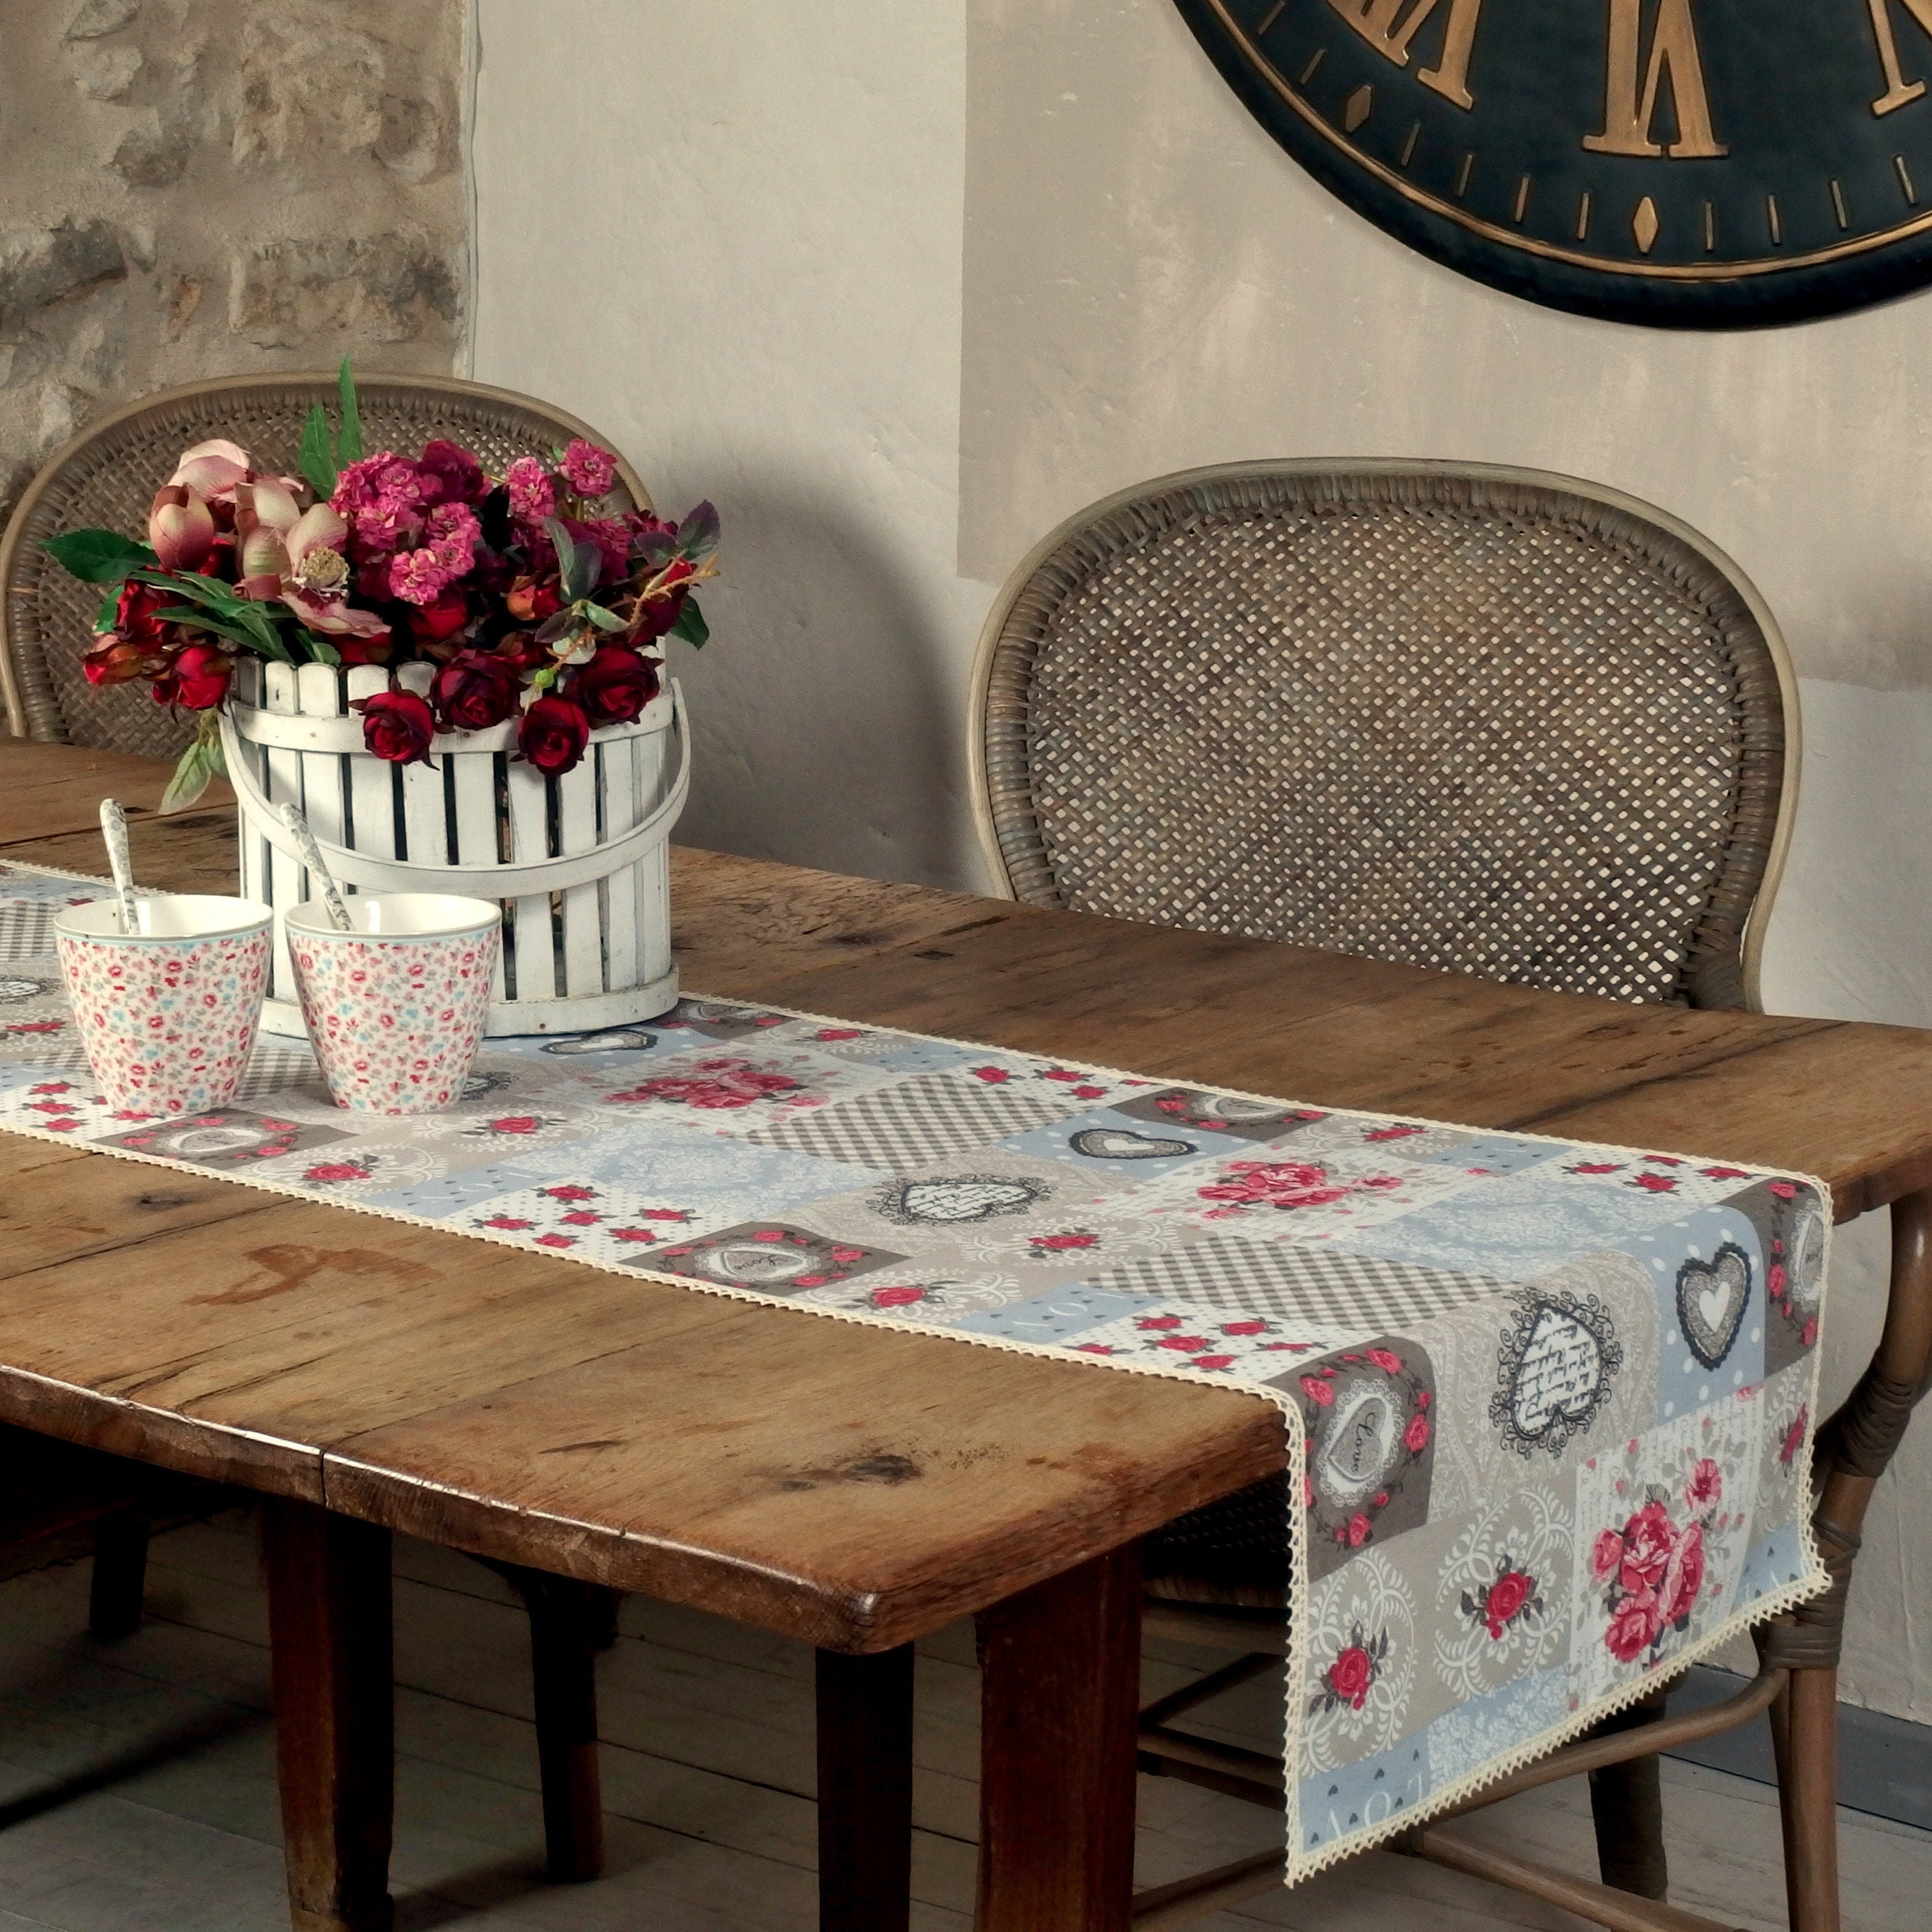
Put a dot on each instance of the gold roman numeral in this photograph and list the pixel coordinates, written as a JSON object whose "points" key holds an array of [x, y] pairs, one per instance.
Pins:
{"points": [[1898, 90], [1632, 84], [1390, 25]]}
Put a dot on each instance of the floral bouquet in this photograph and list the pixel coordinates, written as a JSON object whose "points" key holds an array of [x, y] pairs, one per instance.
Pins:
{"points": [[530, 604]]}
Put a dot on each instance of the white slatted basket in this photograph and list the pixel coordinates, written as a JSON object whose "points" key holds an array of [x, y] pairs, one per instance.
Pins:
{"points": [[579, 862]]}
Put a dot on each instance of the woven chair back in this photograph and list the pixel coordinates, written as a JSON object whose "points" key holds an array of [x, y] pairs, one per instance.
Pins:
{"points": [[106, 478], [1495, 722]]}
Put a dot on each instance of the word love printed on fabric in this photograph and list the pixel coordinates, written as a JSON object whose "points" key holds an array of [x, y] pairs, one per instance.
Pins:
{"points": [[1552, 1404]]}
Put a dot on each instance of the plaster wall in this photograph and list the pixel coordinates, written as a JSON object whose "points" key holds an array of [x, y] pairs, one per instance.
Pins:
{"points": [[732, 238]]}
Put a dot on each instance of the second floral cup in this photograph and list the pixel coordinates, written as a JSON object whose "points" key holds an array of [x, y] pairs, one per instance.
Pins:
{"points": [[395, 1007]]}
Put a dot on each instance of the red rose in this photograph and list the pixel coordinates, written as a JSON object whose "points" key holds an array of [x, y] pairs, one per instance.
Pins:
{"points": [[1317, 1391], [1634, 1623], [1350, 1675], [553, 735], [1360, 1530], [134, 617], [1387, 1361], [1648, 1539], [1606, 1556], [397, 725], [614, 687], [662, 612], [197, 679], [374, 649], [1684, 1578], [458, 471], [442, 617], [475, 691], [1507, 1595], [1415, 1437]]}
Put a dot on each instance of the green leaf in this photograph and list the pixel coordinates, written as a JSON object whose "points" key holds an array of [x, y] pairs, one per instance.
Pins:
{"points": [[578, 564], [348, 442], [698, 534], [691, 627], [655, 547], [317, 461], [97, 557], [192, 617], [192, 775], [604, 620], [319, 648], [110, 605], [544, 679]]}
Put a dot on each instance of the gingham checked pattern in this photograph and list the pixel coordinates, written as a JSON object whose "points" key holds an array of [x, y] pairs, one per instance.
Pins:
{"points": [[902, 1128], [1318, 1285], [27, 931]]}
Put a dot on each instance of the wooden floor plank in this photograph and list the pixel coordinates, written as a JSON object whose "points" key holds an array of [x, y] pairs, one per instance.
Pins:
{"points": [[186, 1839]]}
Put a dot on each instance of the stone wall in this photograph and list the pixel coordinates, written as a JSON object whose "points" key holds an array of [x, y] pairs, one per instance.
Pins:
{"points": [[189, 188]]}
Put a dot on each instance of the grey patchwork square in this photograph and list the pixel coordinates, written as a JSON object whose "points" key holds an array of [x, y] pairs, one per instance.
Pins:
{"points": [[908, 1126], [27, 930], [1322, 1284]]}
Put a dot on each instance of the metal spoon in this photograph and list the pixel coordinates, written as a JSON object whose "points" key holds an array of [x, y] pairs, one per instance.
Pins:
{"points": [[311, 857], [114, 830]]}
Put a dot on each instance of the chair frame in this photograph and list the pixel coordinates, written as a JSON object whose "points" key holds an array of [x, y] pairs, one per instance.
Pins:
{"points": [[1621, 1757], [1000, 810], [33, 706]]}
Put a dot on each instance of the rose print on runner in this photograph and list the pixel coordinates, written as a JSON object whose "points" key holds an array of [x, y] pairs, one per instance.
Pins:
{"points": [[721, 1084], [1511, 1594], [1351, 1676]]}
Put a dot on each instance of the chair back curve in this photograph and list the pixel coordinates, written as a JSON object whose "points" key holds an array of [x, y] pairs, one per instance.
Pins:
{"points": [[106, 477], [1486, 720]]}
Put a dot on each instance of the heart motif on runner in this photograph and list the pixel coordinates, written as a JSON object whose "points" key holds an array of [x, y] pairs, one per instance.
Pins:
{"points": [[1712, 1297], [754, 1263], [1123, 1143], [964, 1200]]}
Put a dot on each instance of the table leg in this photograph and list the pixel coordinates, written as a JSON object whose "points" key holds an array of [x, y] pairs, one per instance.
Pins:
{"points": [[564, 1627], [1059, 1722], [330, 1634], [1627, 1806], [865, 1791], [1854, 1448]]}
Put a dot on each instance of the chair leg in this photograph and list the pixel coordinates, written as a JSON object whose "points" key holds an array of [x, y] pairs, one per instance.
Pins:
{"points": [[865, 1791], [1627, 1805], [120, 1578], [329, 1627], [564, 1627]]}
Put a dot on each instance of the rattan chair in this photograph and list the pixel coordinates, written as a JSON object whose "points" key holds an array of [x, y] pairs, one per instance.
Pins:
{"points": [[1490, 721], [106, 477]]}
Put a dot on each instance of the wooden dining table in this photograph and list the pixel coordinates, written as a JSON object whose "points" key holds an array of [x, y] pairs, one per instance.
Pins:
{"points": [[851, 1486]]}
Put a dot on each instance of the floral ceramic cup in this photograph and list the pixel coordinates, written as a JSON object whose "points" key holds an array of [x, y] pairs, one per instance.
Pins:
{"points": [[166, 1013], [395, 1007]]}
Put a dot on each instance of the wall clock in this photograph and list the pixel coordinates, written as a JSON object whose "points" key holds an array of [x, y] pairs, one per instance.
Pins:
{"points": [[1690, 164]]}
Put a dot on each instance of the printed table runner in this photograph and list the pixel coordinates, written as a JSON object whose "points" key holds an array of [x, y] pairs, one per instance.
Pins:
{"points": [[1550, 1404]]}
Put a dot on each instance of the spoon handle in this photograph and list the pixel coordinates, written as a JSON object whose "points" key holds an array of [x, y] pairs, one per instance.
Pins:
{"points": [[311, 853], [114, 830]]}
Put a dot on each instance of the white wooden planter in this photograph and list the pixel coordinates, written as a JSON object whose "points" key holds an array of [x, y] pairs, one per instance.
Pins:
{"points": [[579, 862]]}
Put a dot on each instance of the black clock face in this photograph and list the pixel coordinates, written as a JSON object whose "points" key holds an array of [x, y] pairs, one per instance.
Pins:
{"points": [[1687, 163]]}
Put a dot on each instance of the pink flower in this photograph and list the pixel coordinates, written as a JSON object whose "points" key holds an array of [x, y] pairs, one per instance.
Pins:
{"points": [[1387, 1361], [1317, 1391], [1795, 1435], [1350, 1676], [181, 527], [294, 557], [1634, 1625], [1648, 1539], [1785, 1190], [896, 1297], [1606, 1555], [1360, 1530], [211, 470], [1507, 1595], [1706, 1488], [532, 496], [1415, 1437], [589, 470], [1683, 1578], [1774, 1279]]}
